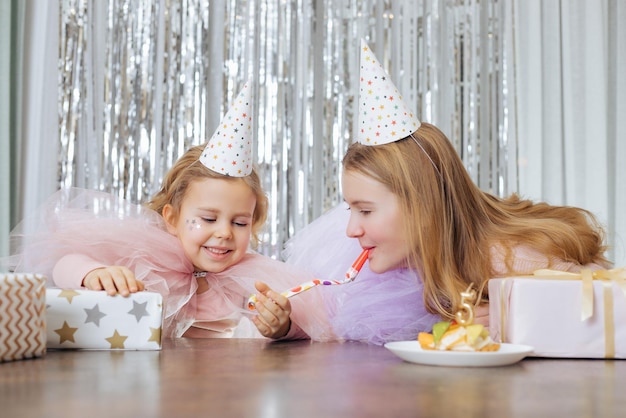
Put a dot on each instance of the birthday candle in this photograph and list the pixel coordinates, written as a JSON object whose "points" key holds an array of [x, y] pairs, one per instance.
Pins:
{"points": [[351, 274]]}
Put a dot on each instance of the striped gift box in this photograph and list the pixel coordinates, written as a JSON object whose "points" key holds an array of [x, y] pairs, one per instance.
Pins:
{"points": [[22, 316]]}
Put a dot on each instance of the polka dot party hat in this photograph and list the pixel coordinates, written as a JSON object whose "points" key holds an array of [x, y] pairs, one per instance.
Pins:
{"points": [[384, 117], [229, 151]]}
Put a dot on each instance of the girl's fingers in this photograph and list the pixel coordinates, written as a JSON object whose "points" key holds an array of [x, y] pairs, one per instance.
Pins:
{"points": [[270, 314], [113, 280]]}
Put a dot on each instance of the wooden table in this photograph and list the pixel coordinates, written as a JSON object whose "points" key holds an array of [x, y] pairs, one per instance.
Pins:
{"points": [[256, 378]]}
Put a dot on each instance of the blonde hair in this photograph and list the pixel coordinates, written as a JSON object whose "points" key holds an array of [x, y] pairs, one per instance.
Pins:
{"points": [[451, 224], [188, 169]]}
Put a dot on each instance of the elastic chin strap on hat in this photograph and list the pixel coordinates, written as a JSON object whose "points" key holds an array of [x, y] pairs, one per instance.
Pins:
{"points": [[425, 153]]}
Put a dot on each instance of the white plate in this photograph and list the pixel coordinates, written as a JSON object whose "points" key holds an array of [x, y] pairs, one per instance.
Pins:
{"points": [[411, 351]]}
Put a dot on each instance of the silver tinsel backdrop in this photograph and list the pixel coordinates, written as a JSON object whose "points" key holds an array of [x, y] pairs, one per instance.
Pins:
{"points": [[140, 81]]}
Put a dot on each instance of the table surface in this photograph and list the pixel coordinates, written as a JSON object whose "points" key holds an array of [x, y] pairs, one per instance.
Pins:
{"points": [[259, 378]]}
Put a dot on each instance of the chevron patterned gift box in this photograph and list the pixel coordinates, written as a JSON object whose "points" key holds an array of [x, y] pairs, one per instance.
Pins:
{"points": [[22, 316], [89, 319]]}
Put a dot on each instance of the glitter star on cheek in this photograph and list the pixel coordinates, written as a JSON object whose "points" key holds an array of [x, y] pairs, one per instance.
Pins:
{"points": [[192, 224]]}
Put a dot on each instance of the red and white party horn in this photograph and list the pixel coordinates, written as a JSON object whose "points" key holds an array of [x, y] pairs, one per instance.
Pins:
{"points": [[351, 274]]}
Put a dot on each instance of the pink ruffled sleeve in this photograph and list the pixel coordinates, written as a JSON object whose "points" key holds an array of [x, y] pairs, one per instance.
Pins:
{"points": [[71, 269], [295, 333]]}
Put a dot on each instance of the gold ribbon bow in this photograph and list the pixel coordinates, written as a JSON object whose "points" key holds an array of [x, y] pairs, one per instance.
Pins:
{"points": [[607, 277]]}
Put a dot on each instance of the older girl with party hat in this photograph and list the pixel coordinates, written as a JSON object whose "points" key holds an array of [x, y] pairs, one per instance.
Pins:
{"points": [[191, 244], [429, 229]]}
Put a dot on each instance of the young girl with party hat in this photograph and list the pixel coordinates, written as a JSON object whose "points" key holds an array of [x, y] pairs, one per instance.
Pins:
{"points": [[191, 244], [429, 229]]}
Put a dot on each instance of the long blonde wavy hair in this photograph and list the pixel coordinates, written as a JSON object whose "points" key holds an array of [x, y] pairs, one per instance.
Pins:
{"points": [[451, 224], [187, 169]]}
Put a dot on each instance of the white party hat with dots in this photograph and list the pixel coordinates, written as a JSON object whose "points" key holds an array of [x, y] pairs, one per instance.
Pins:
{"points": [[229, 151], [384, 117]]}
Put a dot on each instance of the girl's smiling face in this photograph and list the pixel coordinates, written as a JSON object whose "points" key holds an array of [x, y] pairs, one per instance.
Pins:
{"points": [[376, 220], [214, 224]]}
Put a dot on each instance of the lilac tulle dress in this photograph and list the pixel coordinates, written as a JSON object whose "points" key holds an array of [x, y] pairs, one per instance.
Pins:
{"points": [[375, 308], [115, 232]]}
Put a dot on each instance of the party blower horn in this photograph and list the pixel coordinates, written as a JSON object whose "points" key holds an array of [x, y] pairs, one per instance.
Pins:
{"points": [[351, 274]]}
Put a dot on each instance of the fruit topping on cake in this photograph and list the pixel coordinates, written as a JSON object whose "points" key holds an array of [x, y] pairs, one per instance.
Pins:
{"points": [[460, 334], [451, 336]]}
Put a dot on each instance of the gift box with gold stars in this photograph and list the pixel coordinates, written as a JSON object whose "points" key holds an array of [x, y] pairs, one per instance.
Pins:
{"points": [[89, 319], [22, 316]]}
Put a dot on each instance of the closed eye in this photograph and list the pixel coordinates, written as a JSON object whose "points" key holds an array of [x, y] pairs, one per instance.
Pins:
{"points": [[361, 211]]}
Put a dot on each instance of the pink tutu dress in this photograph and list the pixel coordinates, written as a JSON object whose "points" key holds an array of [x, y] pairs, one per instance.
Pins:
{"points": [[375, 308], [99, 226]]}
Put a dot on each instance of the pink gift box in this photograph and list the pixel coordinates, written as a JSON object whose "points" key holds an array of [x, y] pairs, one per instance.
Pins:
{"points": [[547, 314]]}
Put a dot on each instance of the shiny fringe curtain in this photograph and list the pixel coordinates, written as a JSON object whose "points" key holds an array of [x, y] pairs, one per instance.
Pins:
{"points": [[141, 81]]}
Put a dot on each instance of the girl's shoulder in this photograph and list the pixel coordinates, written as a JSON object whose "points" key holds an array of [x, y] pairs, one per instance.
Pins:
{"points": [[523, 259]]}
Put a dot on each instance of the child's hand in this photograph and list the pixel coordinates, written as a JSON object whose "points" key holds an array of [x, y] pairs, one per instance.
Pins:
{"points": [[113, 279], [274, 309]]}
